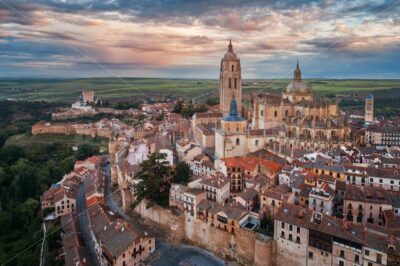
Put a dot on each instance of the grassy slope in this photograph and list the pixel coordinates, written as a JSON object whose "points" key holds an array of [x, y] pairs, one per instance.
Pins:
{"points": [[108, 88], [26, 140]]}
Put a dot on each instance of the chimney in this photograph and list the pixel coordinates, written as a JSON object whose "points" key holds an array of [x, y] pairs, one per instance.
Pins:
{"points": [[317, 217], [346, 225], [391, 245], [300, 214]]}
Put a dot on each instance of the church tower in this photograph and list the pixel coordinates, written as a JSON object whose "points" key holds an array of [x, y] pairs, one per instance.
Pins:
{"points": [[230, 81], [369, 109], [231, 138]]}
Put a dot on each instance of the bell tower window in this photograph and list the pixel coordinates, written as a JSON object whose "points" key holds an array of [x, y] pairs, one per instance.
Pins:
{"points": [[230, 84], [234, 83], [233, 68]]}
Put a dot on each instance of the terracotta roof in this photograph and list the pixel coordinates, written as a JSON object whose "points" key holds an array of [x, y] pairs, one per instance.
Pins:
{"points": [[367, 194], [209, 115], [249, 163]]}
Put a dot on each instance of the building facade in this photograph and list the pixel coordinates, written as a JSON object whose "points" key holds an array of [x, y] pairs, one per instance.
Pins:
{"points": [[230, 80]]}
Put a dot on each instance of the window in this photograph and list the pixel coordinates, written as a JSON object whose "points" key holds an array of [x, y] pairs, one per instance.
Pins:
{"points": [[256, 142], [357, 258], [298, 229], [298, 239], [233, 68], [230, 84], [283, 234], [262, 113], [366, 252], [234, 83], [237, 141], [290, 237], [341, 263], [341, 253], [290, 227], [379, 258], [310, 255], [283, 225], [276, 113]]}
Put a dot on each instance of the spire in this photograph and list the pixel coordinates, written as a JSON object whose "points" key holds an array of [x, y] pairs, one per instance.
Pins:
{"points": [[233, 111], [230, 47], [297, 72]]}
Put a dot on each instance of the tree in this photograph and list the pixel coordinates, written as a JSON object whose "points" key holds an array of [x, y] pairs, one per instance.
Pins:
{"points": [[25, 182], [212, 101], [154, 177], [11, 153], [84, 151], [178, 107], [182, 173], [267, 223]]}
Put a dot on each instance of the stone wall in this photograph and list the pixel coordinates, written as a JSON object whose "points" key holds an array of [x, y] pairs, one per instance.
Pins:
{"points": [[245, 247], [67, 129], [171, 221]]}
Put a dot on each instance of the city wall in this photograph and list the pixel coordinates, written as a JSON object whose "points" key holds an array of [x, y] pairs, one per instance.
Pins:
{"points": [[67, 129], [245, 247]]}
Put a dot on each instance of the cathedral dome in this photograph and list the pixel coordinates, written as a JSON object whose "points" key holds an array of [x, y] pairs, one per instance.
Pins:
{"points": [[230, 55], [297, 84], [233, 112]]}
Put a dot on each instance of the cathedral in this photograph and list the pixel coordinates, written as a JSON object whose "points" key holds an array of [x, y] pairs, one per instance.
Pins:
{"points": [[296, 119]]}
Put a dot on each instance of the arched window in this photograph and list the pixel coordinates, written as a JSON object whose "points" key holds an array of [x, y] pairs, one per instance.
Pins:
{"points": [[262, 113], [234, 83], [286, 113], [230, 84], [233, 68], [276, 113], [237, 141]]}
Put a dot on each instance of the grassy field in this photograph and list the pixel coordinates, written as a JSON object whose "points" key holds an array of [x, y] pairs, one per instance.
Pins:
{"points": [[27, 140], [130, 88]]}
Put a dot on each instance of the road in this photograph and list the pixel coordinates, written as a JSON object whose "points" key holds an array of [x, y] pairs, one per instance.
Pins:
{"points": [[43, 246], [165, 254], [83, 222]]}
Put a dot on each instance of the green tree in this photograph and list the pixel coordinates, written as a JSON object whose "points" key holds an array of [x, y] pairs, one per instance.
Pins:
{"points": [[25, 182], [178, 107], [182, 173], [154, 178], [11, 153], [84, 151]]}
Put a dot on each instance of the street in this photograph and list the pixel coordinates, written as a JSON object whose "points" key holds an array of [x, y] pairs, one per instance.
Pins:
{"points": [[165, 254], [83, 221]]}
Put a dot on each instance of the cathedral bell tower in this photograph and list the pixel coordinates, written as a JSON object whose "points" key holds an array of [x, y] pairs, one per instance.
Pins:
{"points": [[230, 81]]}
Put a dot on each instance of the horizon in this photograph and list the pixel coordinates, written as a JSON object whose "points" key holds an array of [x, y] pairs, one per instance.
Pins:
{"points": [[187, 39]]}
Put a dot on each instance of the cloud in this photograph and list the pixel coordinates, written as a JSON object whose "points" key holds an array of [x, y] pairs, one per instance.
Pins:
{"points": [[179, 37]]}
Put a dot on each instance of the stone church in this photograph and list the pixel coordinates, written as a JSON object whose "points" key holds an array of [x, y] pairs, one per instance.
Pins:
{"points": [[296, 119]]}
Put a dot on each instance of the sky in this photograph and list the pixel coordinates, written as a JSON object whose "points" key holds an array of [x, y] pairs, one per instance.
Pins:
{"points": [[187, 39]]}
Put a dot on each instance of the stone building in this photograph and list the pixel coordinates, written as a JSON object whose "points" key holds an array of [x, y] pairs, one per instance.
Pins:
{"points": [[305, 121], [306, 237], [296, 120], [365, 204], [231, 137], [230, 80], [369, 109], [88, 97]]}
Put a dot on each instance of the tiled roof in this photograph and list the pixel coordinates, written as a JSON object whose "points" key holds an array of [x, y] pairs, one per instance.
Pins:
{"points": [[367, 194]]}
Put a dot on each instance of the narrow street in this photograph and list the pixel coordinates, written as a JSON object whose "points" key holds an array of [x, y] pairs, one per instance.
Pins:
{"points": [[165, 254], [83, 222], [43, 246]]}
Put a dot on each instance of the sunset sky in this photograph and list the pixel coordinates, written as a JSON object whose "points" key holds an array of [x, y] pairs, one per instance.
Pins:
{"points": [[186, 39]]}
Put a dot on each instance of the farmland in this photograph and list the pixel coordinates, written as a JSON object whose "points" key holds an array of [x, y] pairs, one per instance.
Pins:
{"points": [[67, 90]]}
